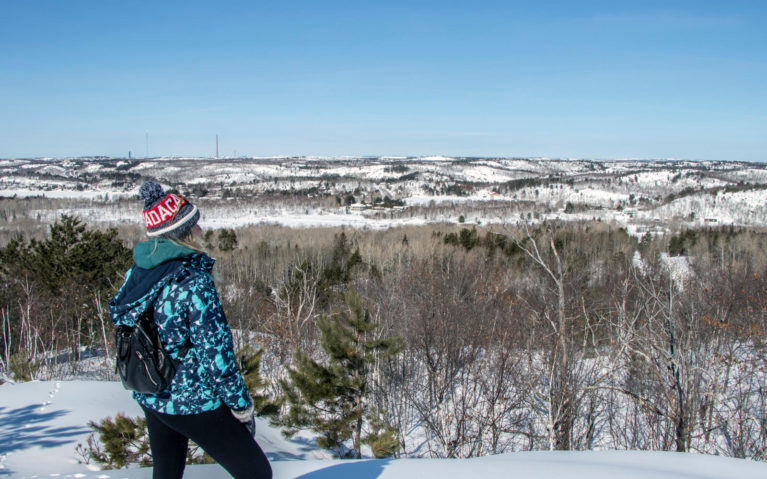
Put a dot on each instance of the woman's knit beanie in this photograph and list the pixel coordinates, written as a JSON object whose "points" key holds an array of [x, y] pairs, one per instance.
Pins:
{"points": [[166, 215]]}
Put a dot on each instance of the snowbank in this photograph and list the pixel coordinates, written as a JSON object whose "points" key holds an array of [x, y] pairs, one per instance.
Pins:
{"points": [[42, 422]]}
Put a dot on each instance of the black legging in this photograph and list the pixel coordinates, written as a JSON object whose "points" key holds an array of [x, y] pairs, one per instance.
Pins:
{"points": [[217, 432]]}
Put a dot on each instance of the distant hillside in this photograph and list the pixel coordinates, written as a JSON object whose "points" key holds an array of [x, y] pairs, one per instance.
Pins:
{"points": [[649, 195]]}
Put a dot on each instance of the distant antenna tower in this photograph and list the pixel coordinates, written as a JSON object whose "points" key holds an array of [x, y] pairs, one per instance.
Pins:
{"points": [[216, 146]]}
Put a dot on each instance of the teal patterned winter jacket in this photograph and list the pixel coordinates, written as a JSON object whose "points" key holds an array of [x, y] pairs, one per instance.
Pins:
{"points": [[177, 283]]}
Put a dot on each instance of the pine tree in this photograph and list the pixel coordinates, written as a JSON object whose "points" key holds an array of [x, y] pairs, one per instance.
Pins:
{"points": [[342, 263], [124, 440], [249, 361], [383, 439], [69, 271], [72, 253], [331, 398], [207, 238], [227, 240]]}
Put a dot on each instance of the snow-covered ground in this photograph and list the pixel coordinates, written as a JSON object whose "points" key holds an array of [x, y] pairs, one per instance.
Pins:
{"points": [[42, 422], [310, 191]]}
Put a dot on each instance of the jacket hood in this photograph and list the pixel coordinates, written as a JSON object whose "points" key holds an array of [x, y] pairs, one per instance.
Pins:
{"points": [[143, 285], [148, 254]]}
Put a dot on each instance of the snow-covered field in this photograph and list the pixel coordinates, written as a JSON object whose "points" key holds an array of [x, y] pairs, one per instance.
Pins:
{"points": [[313, 191], [42, 422]]}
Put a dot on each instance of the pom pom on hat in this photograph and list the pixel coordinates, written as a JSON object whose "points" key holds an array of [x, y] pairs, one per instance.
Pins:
{"points": [[150, 193]]}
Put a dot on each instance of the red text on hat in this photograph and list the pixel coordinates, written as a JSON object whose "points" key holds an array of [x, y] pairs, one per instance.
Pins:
{"points": [[162, 211]]}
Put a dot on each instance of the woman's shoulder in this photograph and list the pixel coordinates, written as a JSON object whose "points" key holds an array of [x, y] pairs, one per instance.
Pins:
{"points": [[199, 261], [194, 282], [196, 267]]}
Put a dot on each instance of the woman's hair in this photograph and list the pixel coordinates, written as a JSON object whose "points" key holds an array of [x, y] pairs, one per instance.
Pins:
{"points": [[190, 241]]}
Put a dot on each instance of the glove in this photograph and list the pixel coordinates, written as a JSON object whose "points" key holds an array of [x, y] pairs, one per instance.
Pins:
{"points": [[247, 418]]}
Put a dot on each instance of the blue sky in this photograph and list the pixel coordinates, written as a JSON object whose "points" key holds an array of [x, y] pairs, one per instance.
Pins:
{"points": [[589, 79]]}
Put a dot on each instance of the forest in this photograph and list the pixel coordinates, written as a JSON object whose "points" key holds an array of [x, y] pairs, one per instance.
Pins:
{"points": [[446, 340]]}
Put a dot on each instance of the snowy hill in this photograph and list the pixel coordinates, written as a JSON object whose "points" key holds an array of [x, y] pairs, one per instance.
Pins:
{"points": [[317, 191], [42, 422]]}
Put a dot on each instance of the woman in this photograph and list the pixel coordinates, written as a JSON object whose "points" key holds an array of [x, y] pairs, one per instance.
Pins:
{"points": [[207, 400]]}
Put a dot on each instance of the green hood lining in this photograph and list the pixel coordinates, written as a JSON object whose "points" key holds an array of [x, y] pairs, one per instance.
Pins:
{"points": [[148, 254]]}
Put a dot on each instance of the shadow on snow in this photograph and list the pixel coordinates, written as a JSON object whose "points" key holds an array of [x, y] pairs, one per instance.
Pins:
{"points": [[25, 427], [305, 445], [369, 469]]}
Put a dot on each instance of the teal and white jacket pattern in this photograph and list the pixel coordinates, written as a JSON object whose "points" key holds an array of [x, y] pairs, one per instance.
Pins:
{"points": [[188, 312]]}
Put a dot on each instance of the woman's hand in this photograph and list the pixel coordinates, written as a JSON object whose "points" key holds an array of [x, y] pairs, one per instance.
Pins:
{"points": [[247, 418]]}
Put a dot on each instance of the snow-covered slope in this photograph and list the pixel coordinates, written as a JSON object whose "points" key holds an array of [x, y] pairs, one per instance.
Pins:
{"points": [[42, 422], [522, 465], [316, 191]]}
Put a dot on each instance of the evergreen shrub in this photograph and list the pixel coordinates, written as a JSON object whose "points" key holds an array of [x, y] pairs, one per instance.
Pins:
{"points": [[123, 441], [22, 367]]}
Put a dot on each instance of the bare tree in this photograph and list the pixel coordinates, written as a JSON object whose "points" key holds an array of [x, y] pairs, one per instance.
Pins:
{"points": [[665, 348], [561, 396], [296, 303]]}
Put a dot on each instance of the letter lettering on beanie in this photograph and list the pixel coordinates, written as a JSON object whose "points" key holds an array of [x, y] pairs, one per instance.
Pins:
{"points": [[172, 202], [154, 219], [162, 211]]}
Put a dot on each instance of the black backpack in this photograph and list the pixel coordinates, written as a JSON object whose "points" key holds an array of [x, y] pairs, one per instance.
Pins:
{"points": [[142, 362]]}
